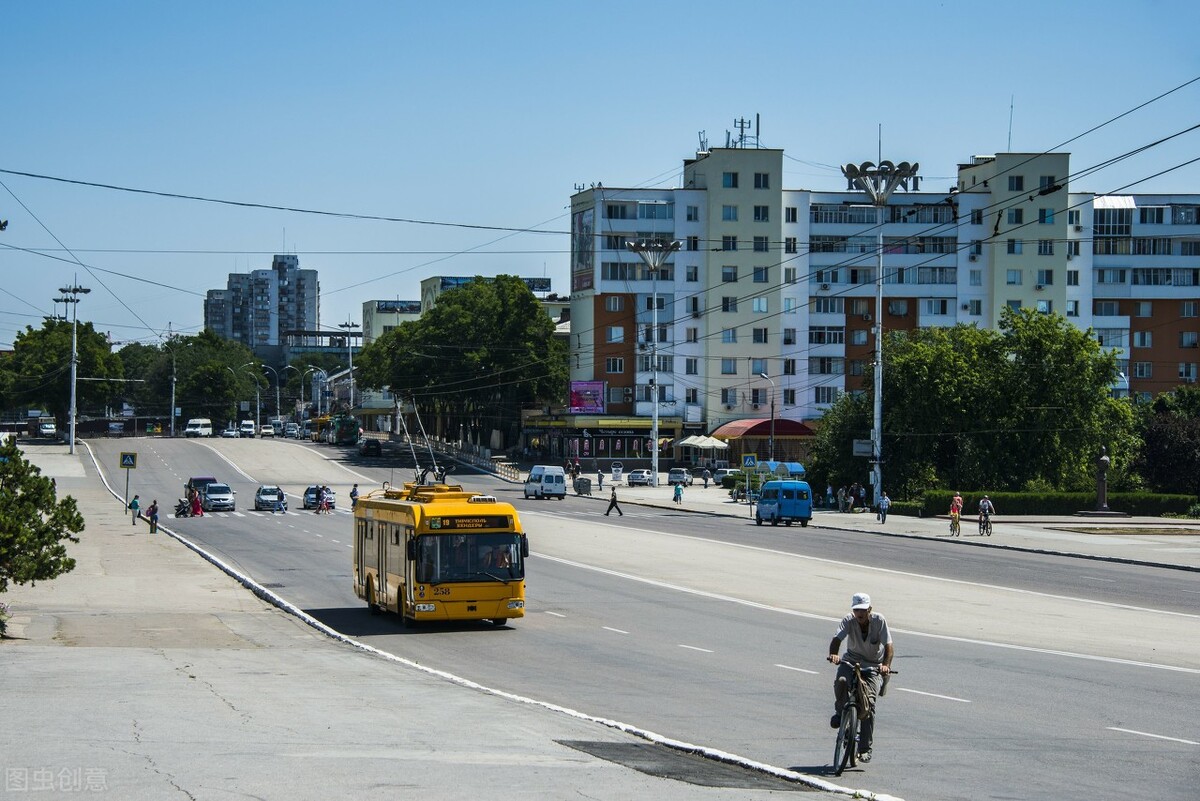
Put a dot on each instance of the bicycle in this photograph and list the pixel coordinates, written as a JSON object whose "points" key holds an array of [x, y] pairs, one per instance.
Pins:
{"points": [[985, 525], [955, 524], [855, 709]]}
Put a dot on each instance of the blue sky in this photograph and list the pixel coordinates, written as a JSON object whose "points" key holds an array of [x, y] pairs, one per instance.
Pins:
{"points": [[489, 114]]}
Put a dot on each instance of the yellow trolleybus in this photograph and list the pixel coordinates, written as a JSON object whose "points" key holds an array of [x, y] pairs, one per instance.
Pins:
{"points": [[435, 552]]}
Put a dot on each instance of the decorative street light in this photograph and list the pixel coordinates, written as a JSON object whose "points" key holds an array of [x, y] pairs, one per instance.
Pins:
{"points": [[349, 326], [878, 182], [276, 372], [772, 446], [655, 254], [320, 391], [257, 396], [74, 291]]}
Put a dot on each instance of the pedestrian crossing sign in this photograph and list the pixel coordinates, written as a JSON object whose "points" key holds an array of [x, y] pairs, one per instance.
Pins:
{"points": [[749, 460], [129, 460]]}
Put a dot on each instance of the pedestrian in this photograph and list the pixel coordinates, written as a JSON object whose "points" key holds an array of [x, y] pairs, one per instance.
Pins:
{"points": [[612, 503], [600, 479], [707, 476], [679, 494], [354, 496], [841, 498], [885, 503], [134, 506], [197, 507], [862, 496], [828, 496], [152, 516]]}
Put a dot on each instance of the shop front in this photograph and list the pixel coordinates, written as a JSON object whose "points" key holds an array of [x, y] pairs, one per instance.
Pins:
{"points": [[597, 442]]}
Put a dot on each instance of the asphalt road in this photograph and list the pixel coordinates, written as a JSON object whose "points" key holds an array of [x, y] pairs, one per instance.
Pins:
{"points": [[1021, 676]]}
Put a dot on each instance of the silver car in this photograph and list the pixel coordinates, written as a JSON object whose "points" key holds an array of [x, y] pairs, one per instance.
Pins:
{"points": [[218, 498]]}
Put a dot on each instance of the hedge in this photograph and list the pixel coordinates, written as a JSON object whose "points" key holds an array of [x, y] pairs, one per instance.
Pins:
{"points": [[1142, 504]]}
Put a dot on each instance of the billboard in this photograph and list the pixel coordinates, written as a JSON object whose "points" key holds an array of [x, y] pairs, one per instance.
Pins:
{"points": [[587, 397], [583, 246]]}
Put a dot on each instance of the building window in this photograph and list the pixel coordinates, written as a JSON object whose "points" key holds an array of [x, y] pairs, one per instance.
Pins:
{"points": [[729, 304], [1143, 369], [1143, 339], [729, 336], [836, 306], [614, 303], [1016, 216], [1045, 277], [759, 305], [762, 214], [616, 211], [691, 273], [1016, 183], [975, 307], [1142, 308], [1187, 372], [789, 214], [693, 214], [1013, 277], [729, 180], [1014, 246], [728, 243], [729, 274], [789, 397], [1107, 308], [760, 336], [1188, 308], [790, 305], [789, 336], [1072, 277], [761, 244], [691, 366], [1188, 339], [1015, 305], [935, 306], [827, 365], [898, 308], [693, 243], [729, 367], [729, 396], [1072, 308], [789, 366], [1111, 276], [1046, 216], [614, 242], [976, 216], [789, 244], [825, 395], [729, 213], [691, 334], [1044, 306], [827, 335], [857, 367], [614, 364], [858, 336], [762, 180], [616, 333], [975, 277], [1045, 247], [691, 395], [655, 300]]}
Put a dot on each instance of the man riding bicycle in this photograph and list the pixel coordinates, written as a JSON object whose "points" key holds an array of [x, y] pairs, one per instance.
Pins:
{"points": [[986, 510], [870, 645], [956, 507]]}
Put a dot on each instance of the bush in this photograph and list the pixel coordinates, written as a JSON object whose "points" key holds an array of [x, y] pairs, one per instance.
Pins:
{"points": [[1141, 504], [909, 508]]}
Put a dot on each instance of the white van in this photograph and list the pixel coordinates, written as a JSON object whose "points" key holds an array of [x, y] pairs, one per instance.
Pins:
{"points": [[198, 427], [247, 429], [546, 481]]}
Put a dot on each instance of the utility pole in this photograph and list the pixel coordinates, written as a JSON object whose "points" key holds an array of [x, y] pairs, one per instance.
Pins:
{"points": [[349, 327], [655, 254], [74, 291]]}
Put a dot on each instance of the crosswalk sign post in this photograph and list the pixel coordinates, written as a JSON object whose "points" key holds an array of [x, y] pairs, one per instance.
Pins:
{"points": [[128, 462], [749, 461]]}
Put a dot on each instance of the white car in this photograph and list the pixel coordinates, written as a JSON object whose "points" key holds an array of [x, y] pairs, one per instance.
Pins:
{"points": [[638, 478], [48, 429], [267, 431], [230, 433]]}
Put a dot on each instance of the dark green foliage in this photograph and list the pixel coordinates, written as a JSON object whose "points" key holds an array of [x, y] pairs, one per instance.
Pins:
{"points": [[937, 502]]}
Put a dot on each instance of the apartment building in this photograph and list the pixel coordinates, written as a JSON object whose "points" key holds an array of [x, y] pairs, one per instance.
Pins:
{"points": [[769, 305], [259, 308]]}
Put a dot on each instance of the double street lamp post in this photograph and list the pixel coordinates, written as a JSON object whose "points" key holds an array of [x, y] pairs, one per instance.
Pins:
{"points": [[772, 445], [349, 327], [278, 413], [74, 291]]}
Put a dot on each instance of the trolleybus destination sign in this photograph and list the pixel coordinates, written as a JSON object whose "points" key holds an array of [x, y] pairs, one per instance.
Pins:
{"points": [[472, 522]]}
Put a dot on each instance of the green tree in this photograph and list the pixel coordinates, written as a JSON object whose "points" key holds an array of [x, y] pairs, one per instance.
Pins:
{"points": [[33, 523], [40, 369], [1170, 456]]}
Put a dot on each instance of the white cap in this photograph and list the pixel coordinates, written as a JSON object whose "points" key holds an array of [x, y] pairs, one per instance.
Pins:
{"points": [[860, 601]]}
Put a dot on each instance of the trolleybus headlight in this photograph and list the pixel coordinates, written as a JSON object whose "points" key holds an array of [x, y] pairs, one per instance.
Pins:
{"points": [[516, 604], [426, 607]]}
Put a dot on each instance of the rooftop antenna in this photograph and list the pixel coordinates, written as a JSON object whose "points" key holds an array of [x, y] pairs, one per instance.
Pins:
{"points": [[1011, 99], [741, 123], [703, 142]]}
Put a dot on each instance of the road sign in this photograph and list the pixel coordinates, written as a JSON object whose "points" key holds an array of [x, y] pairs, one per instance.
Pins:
{"points": [[862, 447], [749, 460], [128, 460]]}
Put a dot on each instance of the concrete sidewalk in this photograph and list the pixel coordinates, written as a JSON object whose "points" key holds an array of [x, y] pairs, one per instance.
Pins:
{"points": [[147, 673], [1141, 540]]}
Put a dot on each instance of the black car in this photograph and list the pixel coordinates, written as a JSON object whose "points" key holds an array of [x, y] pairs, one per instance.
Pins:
{"points": [[369, 447]]}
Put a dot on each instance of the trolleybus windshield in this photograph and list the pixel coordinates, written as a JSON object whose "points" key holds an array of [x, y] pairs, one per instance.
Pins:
{"points": [[468, 557]]}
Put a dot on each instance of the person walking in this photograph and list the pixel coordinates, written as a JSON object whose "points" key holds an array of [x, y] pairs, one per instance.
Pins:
{"points": [[707, 476], [599, 479], [828, 496], [679, 494], [134, 507], [354, 496], [152, 516], [612, 503], [841, 498], [885, 503]]}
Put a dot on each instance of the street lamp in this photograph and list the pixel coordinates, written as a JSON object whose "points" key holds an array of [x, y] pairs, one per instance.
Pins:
{"points": [[654, 253], [879, 182], [257, 397], [74, 291], [324, 380], [276, 372], [349, 326], [772, 446]]}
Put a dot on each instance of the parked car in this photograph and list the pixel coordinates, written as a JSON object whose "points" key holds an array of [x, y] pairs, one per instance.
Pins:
{"points": [[312, 498], [267, 431], [270, 498], [638, 478], [48, 429], [369, 447], [720, 474], [679, 475], [230, 433], [218, 497]]}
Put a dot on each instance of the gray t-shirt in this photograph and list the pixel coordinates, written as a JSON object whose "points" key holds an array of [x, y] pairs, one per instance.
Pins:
{"points": [[867, 649]]}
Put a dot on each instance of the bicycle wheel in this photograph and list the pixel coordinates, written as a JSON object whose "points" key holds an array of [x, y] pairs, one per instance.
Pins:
{"points": [[987, 527], [847, 739]]}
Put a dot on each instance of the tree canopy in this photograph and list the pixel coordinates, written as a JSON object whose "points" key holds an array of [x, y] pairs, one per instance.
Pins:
{"points": [[38, 374]]}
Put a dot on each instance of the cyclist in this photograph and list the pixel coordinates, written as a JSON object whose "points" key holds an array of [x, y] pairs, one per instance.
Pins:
{"points": [[956, 507], [870, 645], [986, 510]]}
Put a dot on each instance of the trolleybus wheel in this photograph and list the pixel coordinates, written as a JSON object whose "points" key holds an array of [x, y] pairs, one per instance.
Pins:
{"points": [[499, 621]]}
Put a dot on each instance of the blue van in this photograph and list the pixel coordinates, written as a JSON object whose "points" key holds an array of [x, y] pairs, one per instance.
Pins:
{"points": [[784, 501]]}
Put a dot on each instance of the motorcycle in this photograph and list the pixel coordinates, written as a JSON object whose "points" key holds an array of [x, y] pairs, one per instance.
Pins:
{"points": [[183, 508]]}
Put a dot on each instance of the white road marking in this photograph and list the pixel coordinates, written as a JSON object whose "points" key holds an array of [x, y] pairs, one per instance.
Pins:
{"points": [[339, 542], [933, 695], [556, 614], [1097, 578], [1155, 736], [799, 670], [615, 631], [694, 648], [813, 616]]}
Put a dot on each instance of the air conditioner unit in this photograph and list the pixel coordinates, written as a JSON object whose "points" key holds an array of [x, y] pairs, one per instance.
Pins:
{"points": [[756, 406], [696, 314], [1079, 228], [729, 407], [825, 286], [1069, 255], [1039, 287], [867, 317], [973, 257], [966, 307]]}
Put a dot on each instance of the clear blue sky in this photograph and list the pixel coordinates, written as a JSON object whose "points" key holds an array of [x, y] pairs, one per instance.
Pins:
{"points": [[488, 114]]}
